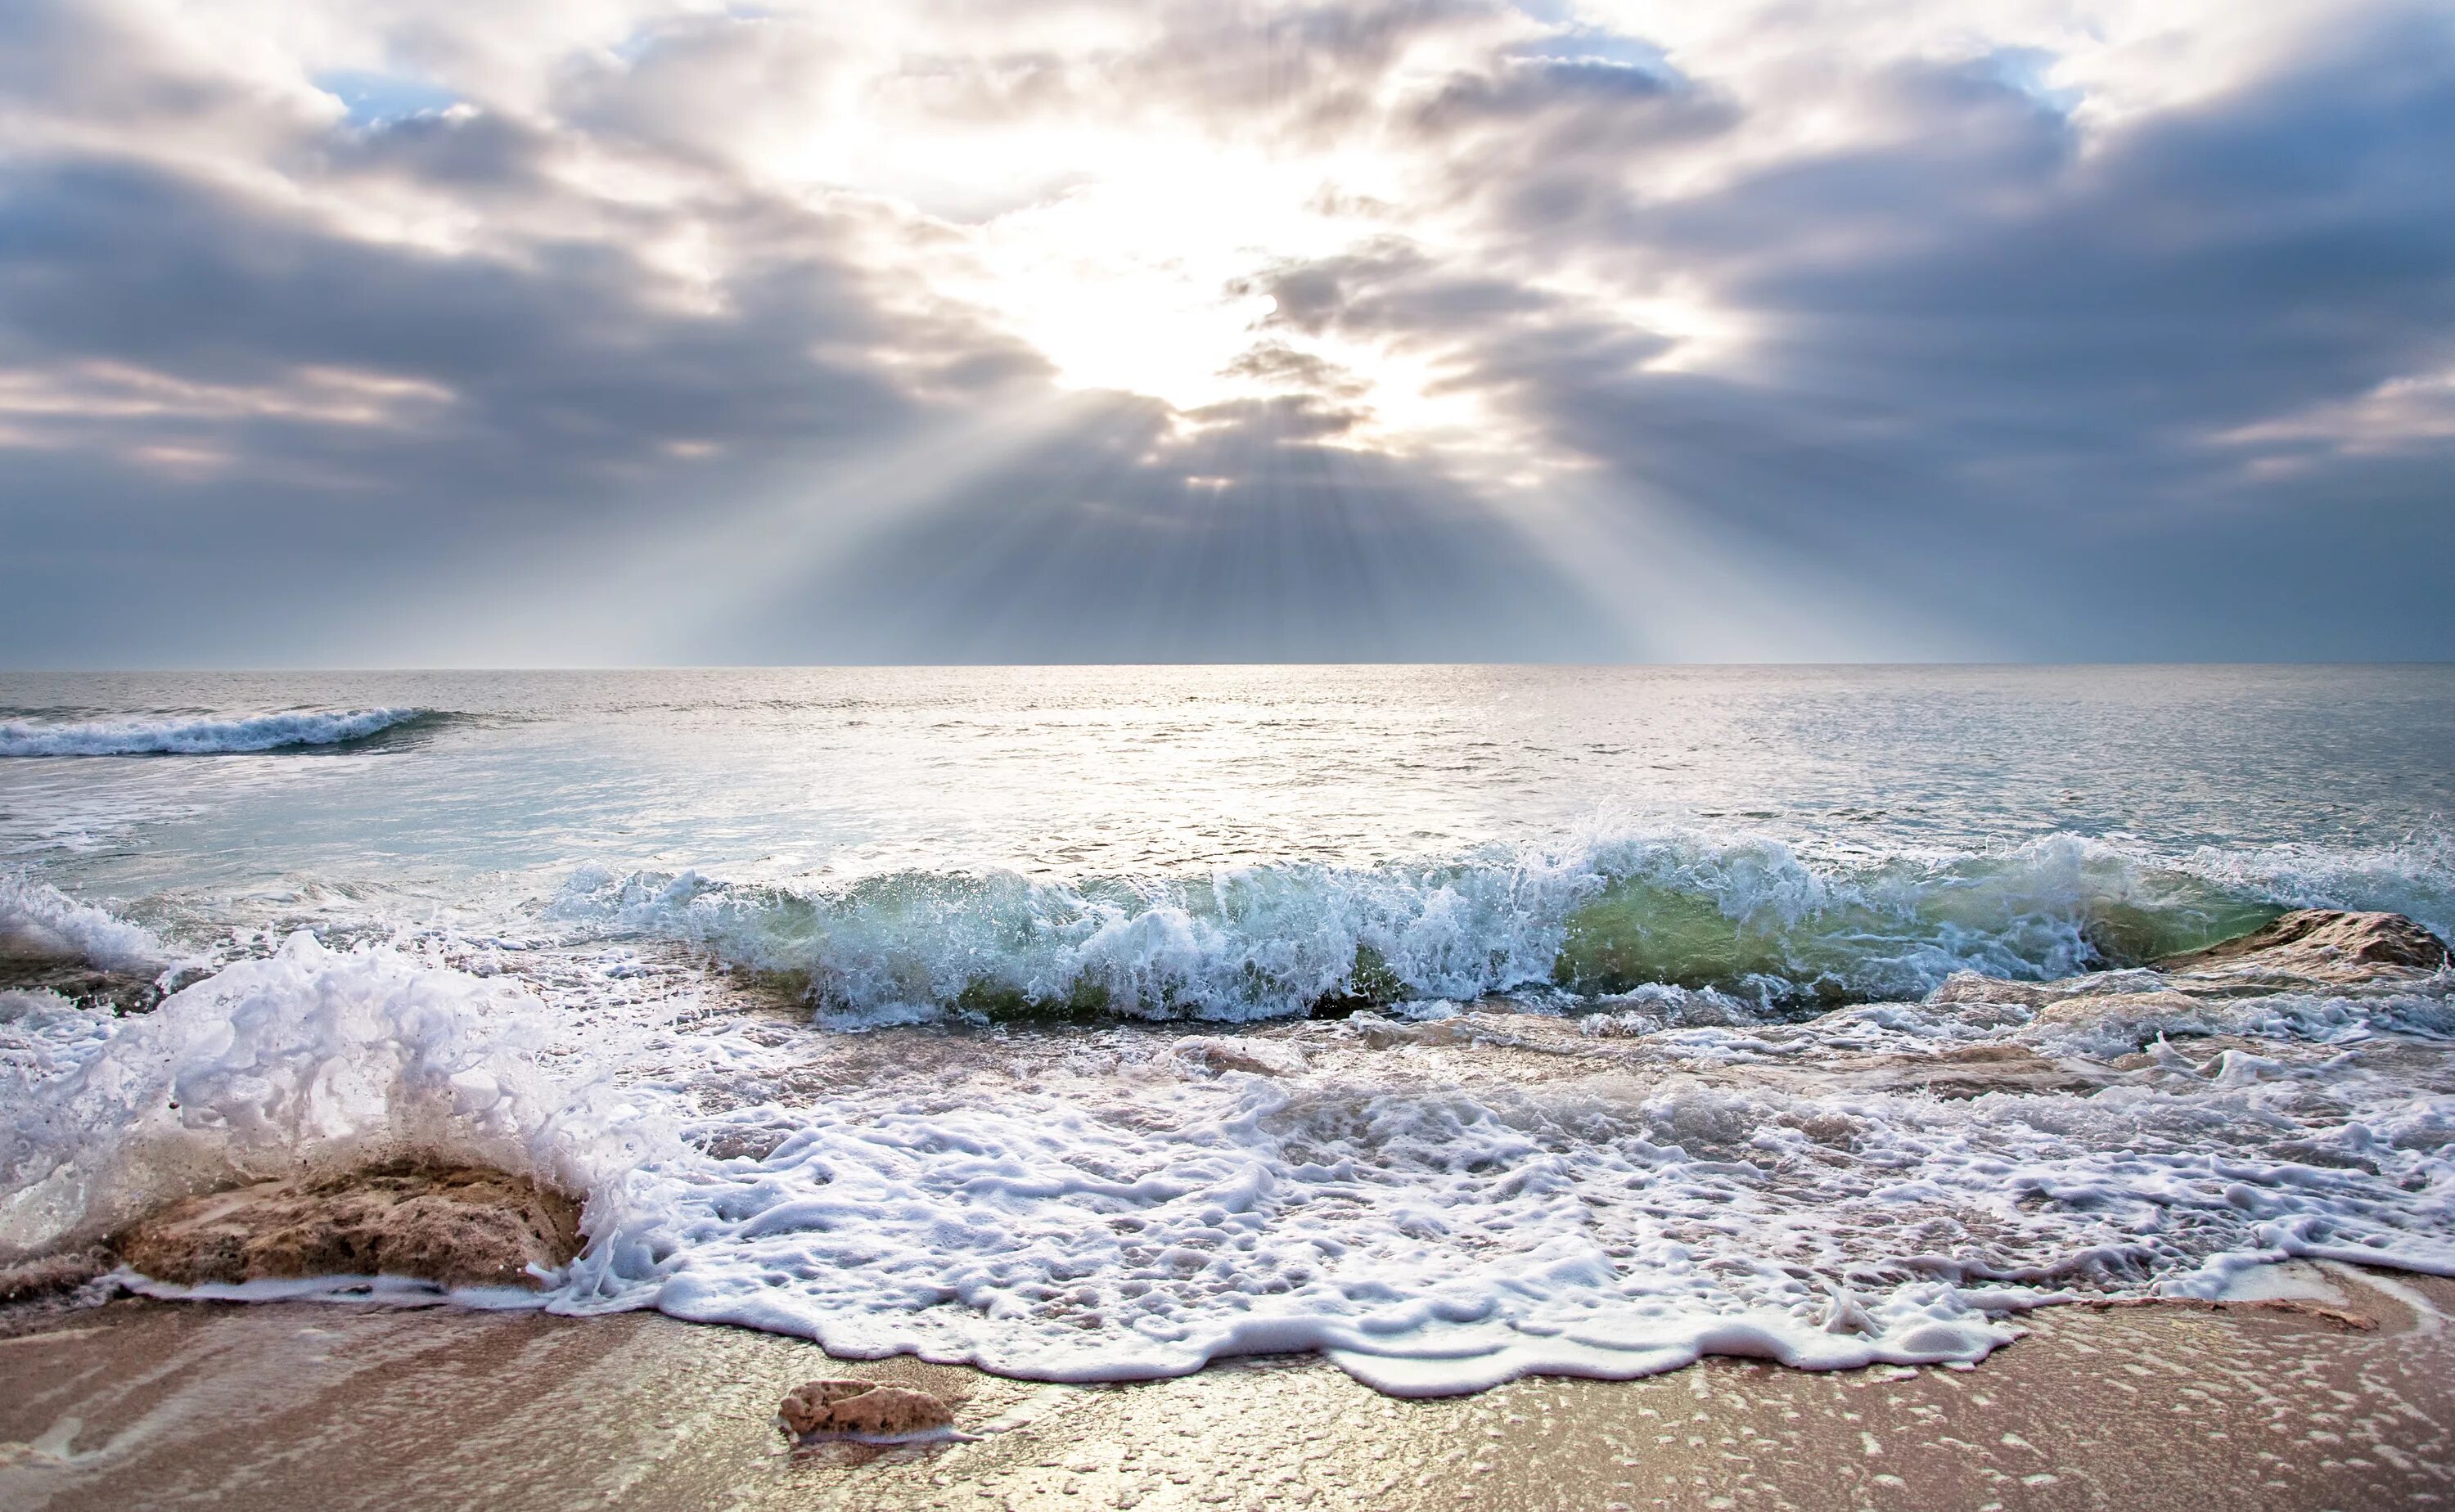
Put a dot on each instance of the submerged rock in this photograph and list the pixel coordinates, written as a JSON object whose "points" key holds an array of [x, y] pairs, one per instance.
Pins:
{"points": [[454, 1225], [2127, 1007], [52, 1274], [842, 1406], [1971, 989], [1958, 1071], [36, 1293], [87, 986], [1261, 1057]]}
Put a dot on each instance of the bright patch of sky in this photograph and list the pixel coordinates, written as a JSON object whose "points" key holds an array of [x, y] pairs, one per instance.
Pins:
{"points": [[375, 99]]}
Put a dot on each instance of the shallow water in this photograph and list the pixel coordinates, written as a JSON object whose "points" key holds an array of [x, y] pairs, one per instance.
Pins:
{"points": [[854, 997]]}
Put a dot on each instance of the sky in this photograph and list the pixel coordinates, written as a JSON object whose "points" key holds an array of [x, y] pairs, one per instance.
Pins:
{"points": [[599, 331]]}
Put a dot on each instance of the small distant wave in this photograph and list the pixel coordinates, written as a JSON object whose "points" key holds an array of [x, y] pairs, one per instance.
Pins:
{"points": [[1606, 914], [201, 736]]}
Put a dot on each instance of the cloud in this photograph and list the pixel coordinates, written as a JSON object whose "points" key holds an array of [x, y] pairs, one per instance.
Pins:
{"points": [[623, 330], [1998, 350]]}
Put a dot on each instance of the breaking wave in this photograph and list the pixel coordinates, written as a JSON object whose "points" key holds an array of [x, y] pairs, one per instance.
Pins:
{"points": [[307, 1058], [200, 736], [39, 920], [1748, 917]]}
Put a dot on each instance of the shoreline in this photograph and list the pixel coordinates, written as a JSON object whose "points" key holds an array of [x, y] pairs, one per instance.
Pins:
{"points": [[289, 1404], [830, 1121]]}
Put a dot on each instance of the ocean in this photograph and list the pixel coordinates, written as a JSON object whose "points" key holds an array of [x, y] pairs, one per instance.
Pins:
{"points": [[1093, 1024]]}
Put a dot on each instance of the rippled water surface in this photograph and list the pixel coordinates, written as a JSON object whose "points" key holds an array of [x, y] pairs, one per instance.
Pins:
{"points": [[1112, 771]]}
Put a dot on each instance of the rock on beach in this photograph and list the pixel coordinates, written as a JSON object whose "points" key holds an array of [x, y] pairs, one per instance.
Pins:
{"points": [[845, 1407], [452, 1225]]}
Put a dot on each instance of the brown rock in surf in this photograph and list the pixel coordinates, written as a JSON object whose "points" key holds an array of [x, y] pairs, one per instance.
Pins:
{"points": [[2110, 1007], [2312, 948], [2321, 944], [1970, 989], [455, 1225], [51, 1274], [2316, 950]]}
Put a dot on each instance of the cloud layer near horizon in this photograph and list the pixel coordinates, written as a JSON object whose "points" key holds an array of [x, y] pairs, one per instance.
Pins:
{"points": [[606, 332]]}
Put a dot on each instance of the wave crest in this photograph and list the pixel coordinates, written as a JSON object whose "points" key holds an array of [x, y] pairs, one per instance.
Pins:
{"points": [[200, 736], [39, 920], [1745, 915]]}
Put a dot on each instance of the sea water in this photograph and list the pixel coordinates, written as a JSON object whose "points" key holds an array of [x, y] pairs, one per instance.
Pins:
{"points": [[1095, 1023]]}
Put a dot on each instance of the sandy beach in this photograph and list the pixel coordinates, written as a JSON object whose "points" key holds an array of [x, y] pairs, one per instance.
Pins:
{"points": [[273, 1406]]}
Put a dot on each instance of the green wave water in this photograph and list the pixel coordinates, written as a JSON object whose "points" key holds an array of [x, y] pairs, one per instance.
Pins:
{"points": [[1745, 917]]}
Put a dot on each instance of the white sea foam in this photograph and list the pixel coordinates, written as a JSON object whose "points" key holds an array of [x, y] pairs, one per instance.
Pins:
{"points": [[1426, 1243], [39, 919], [1149, 1217], [45, 1037], [2314, 1017], [197, 735]]}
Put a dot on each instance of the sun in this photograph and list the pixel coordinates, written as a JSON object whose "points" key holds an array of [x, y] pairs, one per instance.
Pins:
{"points": [[1151, 282]]}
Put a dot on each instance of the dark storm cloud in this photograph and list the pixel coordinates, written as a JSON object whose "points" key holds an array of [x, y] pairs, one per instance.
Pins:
{"points": [[556, 365], [1556, 144], [2289, 242], [1539, 111]]}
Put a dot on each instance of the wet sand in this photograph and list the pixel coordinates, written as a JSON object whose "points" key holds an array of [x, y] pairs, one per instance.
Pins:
{"points": [[296, 1405]]}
